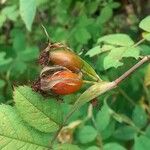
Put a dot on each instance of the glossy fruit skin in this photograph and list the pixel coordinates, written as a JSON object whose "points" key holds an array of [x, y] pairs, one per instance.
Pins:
{"points": [[66, 58], [61, 55], [69, 82]]}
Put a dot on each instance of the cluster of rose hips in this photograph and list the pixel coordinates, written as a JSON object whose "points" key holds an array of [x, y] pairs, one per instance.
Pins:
{"points": [[61, 71]]}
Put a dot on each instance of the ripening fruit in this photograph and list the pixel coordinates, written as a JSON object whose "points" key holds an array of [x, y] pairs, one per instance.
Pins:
{"points": [[66, 58], [59, 54], [65, 82]]}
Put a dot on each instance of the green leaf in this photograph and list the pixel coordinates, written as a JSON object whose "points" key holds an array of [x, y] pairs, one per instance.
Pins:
{"points": [[117, 39], [125, 133], [113, 59], [122, 118], [103, 117], [94, 51], [109, 130], [93, 148], [146, 36], [87, 134], [2, 19], [98, 50], [142, 143], [29, 54], [106, 14], [92, 7], [114, 5], [11, 12], [39, 112], [3, 60], [2, 83], [18, 40], [84, 21], [82, 35], [66, 147], [89, 70], [92, 92], [18, 66], [113, 146], [145, 24], [27, 12], [139, 117], [145, 49], [41, 2], [148, 131], [14, 134]]}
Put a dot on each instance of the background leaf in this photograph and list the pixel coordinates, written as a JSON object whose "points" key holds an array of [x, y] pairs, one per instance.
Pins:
{"points": [[113, 146], [139, 116], [103, 117], [145, 24], [142, 143], [125, 133], [27, 12], [93, 148], [106, 14], [3, 60], [117, 39], [84, 132]]}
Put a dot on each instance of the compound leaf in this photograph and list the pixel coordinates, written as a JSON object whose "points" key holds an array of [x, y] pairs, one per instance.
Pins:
{"points": [[15, 134], [119, 39], [39, 112]]}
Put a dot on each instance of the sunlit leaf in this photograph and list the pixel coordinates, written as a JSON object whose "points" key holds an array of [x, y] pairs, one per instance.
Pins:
{"points": [[42, 114], [113, 59], [15, 134], [145, 24], [119, 39], [27, 12]]}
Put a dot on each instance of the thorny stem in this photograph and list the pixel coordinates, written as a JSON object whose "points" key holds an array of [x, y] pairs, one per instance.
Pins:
{"points": [[114, 85]]}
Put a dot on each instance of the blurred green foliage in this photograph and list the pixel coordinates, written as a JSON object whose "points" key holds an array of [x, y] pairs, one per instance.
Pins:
{"points": [[80, 24]]}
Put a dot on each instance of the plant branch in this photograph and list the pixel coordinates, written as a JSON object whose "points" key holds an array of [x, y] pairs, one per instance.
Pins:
{"points": [[139, 42], [132, 69]]}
